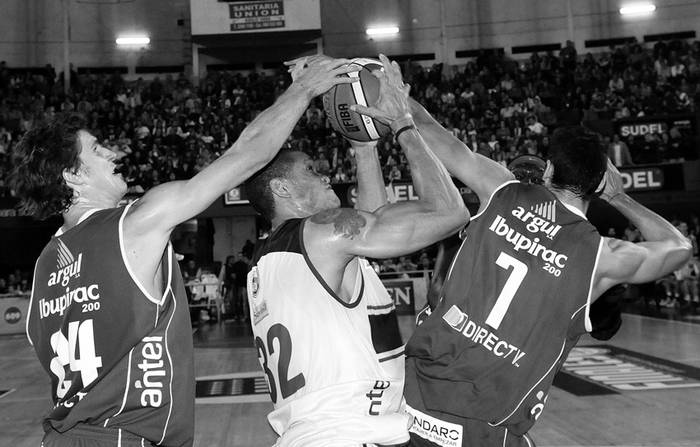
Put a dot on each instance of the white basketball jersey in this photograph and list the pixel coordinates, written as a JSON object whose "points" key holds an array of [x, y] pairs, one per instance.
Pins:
{"points": [[326, 382]]}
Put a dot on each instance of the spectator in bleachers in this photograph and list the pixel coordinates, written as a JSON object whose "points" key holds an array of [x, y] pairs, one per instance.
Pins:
{"points": [[618, 152]]}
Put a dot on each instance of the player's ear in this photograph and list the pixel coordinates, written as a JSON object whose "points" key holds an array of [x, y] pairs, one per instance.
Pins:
{"points": [[280, 188], [73, 177]]}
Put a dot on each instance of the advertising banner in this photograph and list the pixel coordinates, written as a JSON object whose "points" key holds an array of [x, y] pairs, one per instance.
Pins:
{"points": [[409, 294], [256, 15], [640, 126], [246, 16], [13, 313]]}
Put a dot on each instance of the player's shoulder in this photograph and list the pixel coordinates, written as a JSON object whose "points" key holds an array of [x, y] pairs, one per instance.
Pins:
{"points": [[285, 238], [343, 223]]}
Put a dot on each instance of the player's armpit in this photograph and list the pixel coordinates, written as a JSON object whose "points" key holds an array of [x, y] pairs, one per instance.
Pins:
{"points": [[635, 263]]}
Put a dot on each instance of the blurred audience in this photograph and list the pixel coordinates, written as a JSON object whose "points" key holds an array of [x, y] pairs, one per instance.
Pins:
{"points": [[166, 128]]}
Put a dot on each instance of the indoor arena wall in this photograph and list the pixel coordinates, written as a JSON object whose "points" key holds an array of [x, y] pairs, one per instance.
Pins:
{"points": [[31, 32], [489, 24]]}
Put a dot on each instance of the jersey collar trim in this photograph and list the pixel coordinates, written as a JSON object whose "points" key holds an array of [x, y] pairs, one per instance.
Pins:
{"points": [[82, 219], [575, 210], [320, 279]]}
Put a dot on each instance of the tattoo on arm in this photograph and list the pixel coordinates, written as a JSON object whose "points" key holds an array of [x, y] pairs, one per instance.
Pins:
{"points": [[346, 222]]}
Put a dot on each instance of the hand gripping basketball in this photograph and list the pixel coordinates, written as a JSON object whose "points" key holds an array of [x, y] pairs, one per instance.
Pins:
{"points": [[392, 103], [317, 74]]}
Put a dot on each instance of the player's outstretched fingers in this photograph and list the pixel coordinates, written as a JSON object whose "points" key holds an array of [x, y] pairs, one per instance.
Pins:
{"points": [[332, 63], [379, 74], [345, 80], [372, 112], [295, 61], [393, 73], [296, 69], [348, 68]]}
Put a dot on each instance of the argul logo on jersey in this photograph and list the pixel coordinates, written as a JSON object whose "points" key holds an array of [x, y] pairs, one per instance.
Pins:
{"points": [[67, 266], [548, 210], [545, 223]]}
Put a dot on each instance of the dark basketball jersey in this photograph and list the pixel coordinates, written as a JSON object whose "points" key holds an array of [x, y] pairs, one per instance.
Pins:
{"points": [[117, 357], [514, 303]]}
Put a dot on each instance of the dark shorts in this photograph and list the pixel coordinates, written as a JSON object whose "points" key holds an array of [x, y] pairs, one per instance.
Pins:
{"points": [[90, 436], [429, 431]]}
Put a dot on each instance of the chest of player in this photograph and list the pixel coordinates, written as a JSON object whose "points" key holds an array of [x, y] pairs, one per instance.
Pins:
{"points": [[81, 288]]}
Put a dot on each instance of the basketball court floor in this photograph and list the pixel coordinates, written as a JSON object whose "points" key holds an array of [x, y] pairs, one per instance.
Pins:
{"points": [[641, 388]]}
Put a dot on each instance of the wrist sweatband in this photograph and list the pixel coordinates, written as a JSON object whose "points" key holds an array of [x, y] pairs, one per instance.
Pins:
{"points": [[403, 129], [400, 123]]}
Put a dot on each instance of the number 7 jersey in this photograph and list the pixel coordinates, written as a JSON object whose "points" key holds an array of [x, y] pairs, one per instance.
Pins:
{"points": [[514, 303]]}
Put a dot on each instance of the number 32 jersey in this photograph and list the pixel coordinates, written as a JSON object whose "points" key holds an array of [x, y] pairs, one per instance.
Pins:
{"points": [[326, 381], [514, 303]]}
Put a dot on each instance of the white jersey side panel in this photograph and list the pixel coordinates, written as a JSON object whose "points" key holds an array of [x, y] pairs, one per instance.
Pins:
{"points": [[379, 302]]}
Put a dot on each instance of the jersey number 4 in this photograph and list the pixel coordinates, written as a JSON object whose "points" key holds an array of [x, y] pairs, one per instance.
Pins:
{"points": [[81, 337], [287, 386], [508, 292]]}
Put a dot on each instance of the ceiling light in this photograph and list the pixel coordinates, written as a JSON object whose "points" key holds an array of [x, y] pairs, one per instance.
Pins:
{"points": [[382, 31], [637, 9], [133, 40]]}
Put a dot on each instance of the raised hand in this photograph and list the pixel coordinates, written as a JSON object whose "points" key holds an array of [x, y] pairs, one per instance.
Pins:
{"points": [[392, 103], [317, 74], [611, 183], [301, 62]]}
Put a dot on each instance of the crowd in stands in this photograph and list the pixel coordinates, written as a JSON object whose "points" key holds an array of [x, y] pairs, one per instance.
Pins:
{"points": [[16, 282], [168, 129]]}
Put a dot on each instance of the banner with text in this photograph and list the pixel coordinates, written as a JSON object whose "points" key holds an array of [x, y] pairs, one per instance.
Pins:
{"points": [[244, 16], [632, 127], [395, 192], [652, 177], [409, 294]]}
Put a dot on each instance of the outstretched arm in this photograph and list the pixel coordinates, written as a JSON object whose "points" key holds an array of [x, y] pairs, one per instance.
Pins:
{"points": [[172, 203], [664, 250], [479, 173]]}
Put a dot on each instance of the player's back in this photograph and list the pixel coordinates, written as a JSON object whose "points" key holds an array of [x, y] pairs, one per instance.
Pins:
{"points": [[514, 303], [316, 349]]}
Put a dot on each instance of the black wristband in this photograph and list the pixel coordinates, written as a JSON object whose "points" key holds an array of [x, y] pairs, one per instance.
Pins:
{"points": [[403, 129]]}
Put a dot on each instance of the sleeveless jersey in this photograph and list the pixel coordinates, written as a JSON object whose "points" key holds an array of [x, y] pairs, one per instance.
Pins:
{"points": [[325, 378], [117, 357], [514, 303]]}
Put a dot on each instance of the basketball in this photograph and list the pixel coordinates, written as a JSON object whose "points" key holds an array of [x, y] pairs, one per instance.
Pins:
{"points": [[337, 102]]}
